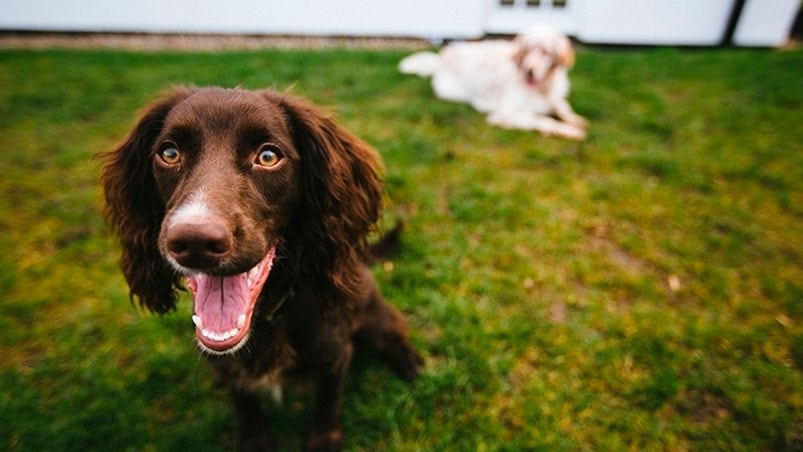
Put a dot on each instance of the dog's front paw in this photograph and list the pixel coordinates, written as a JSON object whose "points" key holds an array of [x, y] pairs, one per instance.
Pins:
{"points": [[571, 132], [577, 120], [324, 441]]}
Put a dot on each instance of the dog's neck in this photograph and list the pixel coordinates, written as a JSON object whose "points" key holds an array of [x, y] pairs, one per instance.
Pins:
{"points": [[275, 312]]}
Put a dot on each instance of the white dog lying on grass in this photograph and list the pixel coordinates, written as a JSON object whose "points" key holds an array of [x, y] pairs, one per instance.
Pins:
{"points": [[520, 84]]}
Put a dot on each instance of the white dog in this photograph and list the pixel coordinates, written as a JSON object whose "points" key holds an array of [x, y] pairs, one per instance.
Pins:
{"points": [[520, 84]]}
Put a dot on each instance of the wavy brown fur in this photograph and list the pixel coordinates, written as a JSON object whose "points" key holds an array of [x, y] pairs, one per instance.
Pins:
{"points": [[316, 213], [345, 194], [134, 210]]}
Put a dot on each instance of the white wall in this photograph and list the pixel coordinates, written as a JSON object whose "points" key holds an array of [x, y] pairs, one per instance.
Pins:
{"points": [[670, 22], [684, 22], [424, 18], [766, 23]]}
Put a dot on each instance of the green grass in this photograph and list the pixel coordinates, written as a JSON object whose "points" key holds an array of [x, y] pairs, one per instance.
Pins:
{"points": [[642, 290]]}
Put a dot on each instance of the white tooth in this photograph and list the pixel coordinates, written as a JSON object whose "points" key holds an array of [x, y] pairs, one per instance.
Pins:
{"points": [[197, 321], [221, 336], [241, 322]]}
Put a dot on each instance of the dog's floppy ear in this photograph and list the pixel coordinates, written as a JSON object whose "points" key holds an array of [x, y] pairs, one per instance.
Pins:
{"points": [[564, 51], [135, 210], [341, 188], [521, 50]]}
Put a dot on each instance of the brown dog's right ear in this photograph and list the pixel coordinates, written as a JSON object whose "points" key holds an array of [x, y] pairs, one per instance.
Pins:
{"points": [[135, 210]]}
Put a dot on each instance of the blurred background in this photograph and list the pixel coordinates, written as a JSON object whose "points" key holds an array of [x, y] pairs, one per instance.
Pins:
{"points": [[644, 22]]}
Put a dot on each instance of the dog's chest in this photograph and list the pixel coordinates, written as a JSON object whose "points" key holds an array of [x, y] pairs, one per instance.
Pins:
{"points": [[270, 383], [259, 367], [522, 98]]}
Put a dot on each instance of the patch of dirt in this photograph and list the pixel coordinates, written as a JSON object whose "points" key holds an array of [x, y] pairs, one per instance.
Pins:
{"points": [[191, 42]]}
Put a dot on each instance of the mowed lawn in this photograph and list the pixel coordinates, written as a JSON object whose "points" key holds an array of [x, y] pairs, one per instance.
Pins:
{"points": [[641, 290]]}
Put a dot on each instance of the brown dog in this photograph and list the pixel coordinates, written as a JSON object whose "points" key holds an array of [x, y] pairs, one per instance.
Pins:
{"points": [[262, 204]]}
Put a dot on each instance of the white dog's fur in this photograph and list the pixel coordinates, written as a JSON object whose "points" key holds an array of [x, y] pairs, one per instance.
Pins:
{"points": [[520, 84]]}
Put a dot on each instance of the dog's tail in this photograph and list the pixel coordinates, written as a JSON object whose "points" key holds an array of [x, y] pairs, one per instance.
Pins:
{"points": [[387, 246], [422, 64]]}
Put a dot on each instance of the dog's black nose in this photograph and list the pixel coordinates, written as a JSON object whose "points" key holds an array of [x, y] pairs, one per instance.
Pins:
{"points": [[199, 246]]}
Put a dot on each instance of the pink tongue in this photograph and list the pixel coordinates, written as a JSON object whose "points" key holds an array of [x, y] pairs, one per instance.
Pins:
{"points": [[220, 301]]}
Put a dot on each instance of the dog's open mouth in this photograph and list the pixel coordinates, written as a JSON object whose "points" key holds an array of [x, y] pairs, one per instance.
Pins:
{"points": [[532, 80], [224, 305]]}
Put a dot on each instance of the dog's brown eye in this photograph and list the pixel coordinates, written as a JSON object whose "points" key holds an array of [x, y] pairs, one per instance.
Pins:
{"points": [[269, 156], [170, 155]]}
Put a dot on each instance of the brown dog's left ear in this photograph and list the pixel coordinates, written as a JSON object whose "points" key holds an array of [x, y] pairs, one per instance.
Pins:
{"points": [[341, 185]]}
